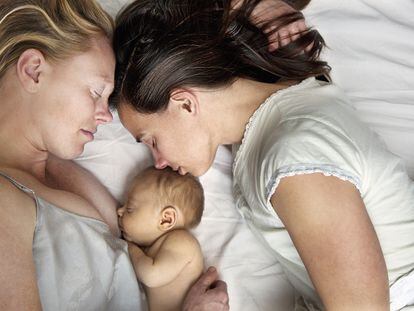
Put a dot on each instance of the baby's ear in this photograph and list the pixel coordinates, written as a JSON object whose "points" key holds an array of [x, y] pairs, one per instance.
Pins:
{"points": [[169, 218]]}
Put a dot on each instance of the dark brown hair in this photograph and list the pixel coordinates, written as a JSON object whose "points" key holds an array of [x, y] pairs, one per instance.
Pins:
{"points": [[297, 4], [162, 45]]}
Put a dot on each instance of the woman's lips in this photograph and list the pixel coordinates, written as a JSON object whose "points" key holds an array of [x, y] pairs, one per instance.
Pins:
{"points": [[88, 134]]}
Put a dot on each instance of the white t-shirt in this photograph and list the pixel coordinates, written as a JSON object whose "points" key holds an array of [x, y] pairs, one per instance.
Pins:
{"points": [[309, 128]]}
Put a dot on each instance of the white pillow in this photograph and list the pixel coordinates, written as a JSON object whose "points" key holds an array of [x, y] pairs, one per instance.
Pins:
{"points": [[113, 6], [371, 51]]}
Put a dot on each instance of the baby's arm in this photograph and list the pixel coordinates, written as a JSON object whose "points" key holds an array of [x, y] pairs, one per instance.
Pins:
{"points": [[178, 249]]}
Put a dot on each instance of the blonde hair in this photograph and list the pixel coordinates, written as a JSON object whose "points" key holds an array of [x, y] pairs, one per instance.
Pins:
{"points": [[183, 192], [57, 28]]}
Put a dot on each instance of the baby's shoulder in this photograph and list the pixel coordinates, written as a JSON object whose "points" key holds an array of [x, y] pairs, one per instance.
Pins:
{"points": [[180, 236], [181, 240]]}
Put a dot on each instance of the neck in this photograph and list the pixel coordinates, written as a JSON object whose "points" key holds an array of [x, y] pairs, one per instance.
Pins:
{"points": [[241, 100], [17, 136]]}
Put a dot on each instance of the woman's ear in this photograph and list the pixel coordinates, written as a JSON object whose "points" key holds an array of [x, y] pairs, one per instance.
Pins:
{"points": [[29, 69], [169, 218], [183, 100]]}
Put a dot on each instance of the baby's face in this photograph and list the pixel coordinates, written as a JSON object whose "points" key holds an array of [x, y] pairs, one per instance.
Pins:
{"points": [[139, 218]]}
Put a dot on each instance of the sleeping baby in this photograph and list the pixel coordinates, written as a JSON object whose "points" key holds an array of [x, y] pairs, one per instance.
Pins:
{"points": [[161, 207]]}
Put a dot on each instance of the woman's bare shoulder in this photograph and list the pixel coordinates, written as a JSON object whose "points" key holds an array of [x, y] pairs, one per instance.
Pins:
{"points": [[60, 198], [18, 288], [17, 209]]}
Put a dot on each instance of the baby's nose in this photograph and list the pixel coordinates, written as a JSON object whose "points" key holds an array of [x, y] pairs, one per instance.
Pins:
{"points": [[120, 211]]}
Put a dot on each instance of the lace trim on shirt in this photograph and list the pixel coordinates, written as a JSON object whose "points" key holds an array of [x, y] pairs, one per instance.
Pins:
{"points": [[254, 115], [292, 170]]}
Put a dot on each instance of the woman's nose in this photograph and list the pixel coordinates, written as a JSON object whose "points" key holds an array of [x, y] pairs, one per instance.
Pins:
{"points": [[160, 163], [103, 115]]}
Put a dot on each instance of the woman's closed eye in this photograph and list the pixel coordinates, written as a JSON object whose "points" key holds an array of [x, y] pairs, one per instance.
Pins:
{"points": [[148, 142], [96, 95]]}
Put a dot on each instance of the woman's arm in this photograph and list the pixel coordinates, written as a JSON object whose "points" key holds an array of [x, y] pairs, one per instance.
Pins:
{"points": [[329, 225], [18, 285], [69, 176]]}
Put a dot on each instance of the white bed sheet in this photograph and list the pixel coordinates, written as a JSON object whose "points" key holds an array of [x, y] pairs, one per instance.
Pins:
{"points": [[371, 50]]}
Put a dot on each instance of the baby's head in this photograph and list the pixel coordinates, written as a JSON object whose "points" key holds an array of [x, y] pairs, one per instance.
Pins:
{"points": [[160, 201]]}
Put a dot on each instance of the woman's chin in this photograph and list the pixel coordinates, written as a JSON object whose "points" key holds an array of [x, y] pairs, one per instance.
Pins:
{"points": [[68, 154], [74, 154], [199, 171]]}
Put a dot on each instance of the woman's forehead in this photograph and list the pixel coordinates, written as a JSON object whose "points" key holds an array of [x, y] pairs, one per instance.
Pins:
{"points": [[93, 64], [129, 118], [136, 121]]}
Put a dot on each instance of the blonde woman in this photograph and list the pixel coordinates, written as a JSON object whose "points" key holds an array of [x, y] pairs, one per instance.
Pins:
{"points": [[56, 73]]}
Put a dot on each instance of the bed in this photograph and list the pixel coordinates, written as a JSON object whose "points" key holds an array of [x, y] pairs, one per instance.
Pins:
{"points": [[371, 51]]}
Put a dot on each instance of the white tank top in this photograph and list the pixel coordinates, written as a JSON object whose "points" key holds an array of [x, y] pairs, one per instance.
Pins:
{"points": [[80, 265]]}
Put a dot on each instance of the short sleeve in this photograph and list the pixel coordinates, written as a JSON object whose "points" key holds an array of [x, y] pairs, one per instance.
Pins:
{"points": [[306, 146]]}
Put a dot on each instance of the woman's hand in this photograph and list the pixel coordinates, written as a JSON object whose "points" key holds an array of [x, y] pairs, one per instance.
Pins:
{"points": [[267, 10], [207, 294], [271, 9]]}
